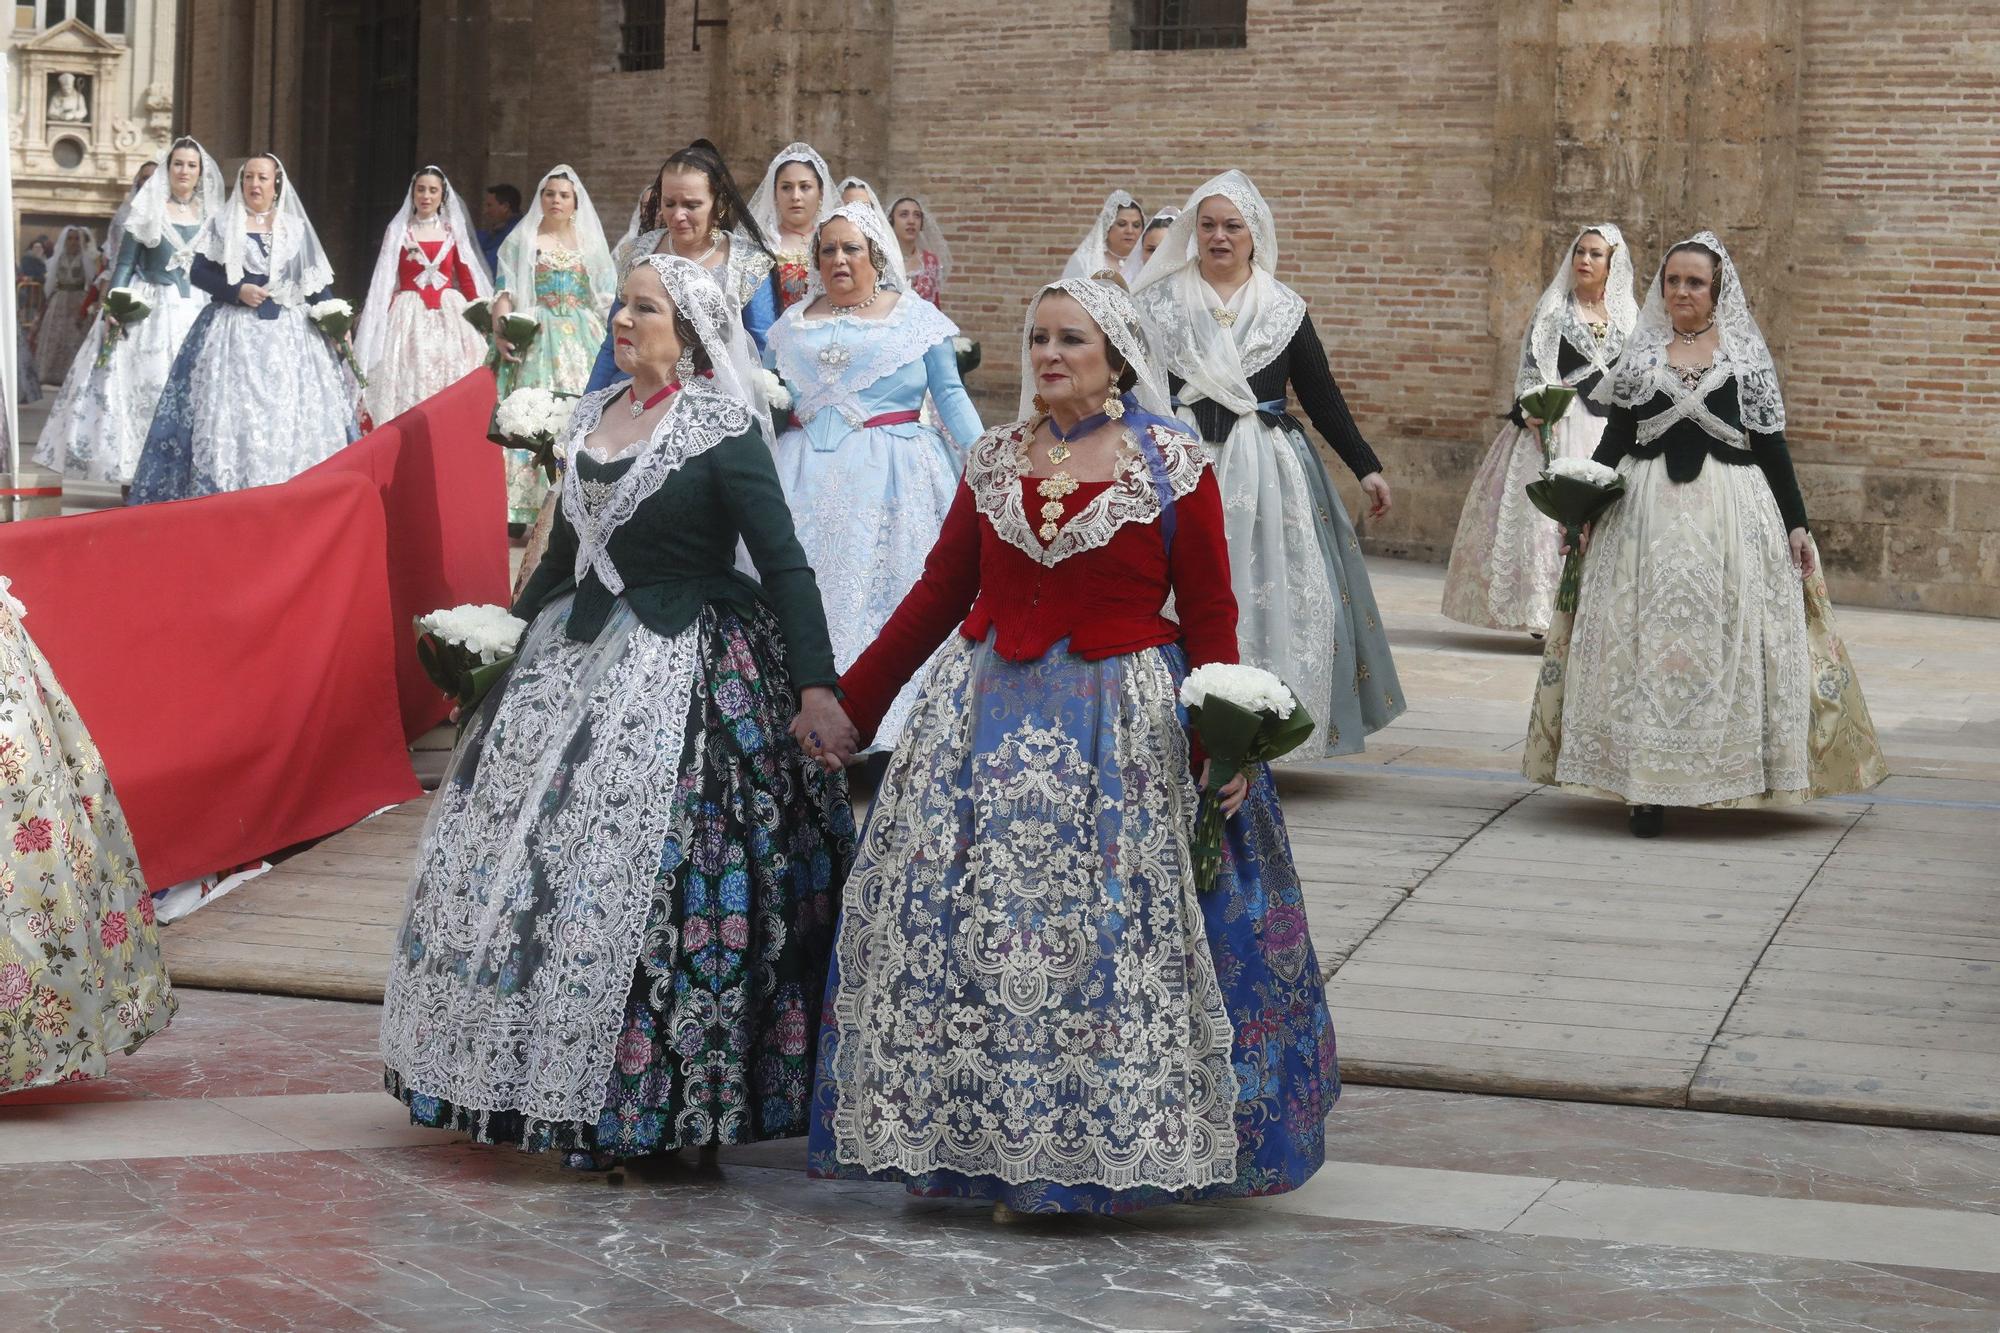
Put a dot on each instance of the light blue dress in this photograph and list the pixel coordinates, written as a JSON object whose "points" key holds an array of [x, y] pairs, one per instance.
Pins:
{"points": [[868, 500]]}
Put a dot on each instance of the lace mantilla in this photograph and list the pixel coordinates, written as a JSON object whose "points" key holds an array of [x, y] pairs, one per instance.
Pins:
{"points": [[738, 275], [1556, 319], [856, 355], [1632, 381], [699, 419], [999, 459], [1690, 403], [1177, 337]]}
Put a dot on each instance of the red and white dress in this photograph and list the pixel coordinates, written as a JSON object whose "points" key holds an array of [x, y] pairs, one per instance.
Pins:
{"points": [[427, 345]]}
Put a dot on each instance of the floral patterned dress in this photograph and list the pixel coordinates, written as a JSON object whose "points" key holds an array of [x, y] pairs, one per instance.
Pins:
{"points": [[80, 970], [559, 359]]}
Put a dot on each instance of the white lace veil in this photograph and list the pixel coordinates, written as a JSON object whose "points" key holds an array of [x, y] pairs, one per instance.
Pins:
{"points": [[373, 326], [146, 220], [868, 191], [1114, 314], [1556, 317], [298, 265], [517, 253], [703, 413], [764, 203], [92, 260], [930, 237], [1634, 379], [1092, 255], [1215, 358], [875, 227]]}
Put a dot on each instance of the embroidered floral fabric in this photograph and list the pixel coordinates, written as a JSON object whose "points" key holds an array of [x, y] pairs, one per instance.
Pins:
{"points": [[1028, 1002], [80, 970], [700, 1029]]}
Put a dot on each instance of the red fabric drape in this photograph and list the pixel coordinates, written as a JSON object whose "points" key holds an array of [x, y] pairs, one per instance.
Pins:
{"points": [[444, 492], [232, 659]]}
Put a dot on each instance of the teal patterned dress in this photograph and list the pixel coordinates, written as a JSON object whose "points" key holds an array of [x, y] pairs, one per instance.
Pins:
{"points": [[559, 360]]}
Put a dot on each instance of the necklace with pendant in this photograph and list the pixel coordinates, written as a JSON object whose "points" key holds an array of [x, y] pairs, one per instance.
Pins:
{"points": [[1692, 338], [1060, 485], [640, 409], [836, 355]]}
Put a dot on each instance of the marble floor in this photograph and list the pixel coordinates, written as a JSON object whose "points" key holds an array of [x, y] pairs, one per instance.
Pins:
{"points": [[244, 1172]]}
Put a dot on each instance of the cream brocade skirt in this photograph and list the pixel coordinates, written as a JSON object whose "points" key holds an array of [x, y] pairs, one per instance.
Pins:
{"points": [[1697, 671]]}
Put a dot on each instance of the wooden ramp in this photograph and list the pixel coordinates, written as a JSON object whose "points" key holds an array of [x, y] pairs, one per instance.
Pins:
{"points": [[321, 924]]}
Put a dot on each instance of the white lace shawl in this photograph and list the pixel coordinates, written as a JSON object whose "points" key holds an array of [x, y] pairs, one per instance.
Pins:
{"points": [[998, 460], [764, 203], [704, 412], [373, 326], [1556, 320], [930, 237], [1216, 360], [87, 259], [516, 276], [298, 266], [146, 219], [1092, 256], [1643, 367]]}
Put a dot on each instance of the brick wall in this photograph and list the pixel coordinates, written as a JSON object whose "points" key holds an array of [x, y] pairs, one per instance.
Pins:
{"points": [[1892, 355], [1368, 126]]}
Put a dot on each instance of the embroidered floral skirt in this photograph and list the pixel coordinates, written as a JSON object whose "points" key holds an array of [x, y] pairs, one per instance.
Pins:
{"points": [[559, 360], [1507, 556], [624, 901], [100, 419], [1697, 670], [424, 352], [1029, 1002], [80, 970]]}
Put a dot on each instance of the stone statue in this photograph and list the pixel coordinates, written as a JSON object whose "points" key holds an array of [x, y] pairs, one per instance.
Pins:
{"points": [[68, 103]]}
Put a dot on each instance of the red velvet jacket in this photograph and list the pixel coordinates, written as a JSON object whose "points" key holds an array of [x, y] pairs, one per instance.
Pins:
{"points": [[1102, 583], [454, 270]]}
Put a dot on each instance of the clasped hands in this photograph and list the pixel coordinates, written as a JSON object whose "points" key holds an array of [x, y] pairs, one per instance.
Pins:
{"points": [[824, 730]]}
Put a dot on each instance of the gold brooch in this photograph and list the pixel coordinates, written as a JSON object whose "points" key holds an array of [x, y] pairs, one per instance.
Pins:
{"points": [[1224, 316]]}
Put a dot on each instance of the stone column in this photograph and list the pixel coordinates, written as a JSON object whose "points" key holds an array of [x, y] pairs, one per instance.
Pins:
{"points": [[817, 70]]}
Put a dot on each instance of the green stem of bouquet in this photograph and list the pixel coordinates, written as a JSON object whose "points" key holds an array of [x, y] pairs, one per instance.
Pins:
{"points": [[1571, 585]]}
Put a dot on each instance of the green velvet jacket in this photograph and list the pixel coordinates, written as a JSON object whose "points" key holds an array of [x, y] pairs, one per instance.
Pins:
{"points": [[678, 553]]}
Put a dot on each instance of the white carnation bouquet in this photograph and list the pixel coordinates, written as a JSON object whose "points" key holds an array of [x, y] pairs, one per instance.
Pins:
{"points": [[1243, 716], [1573, 492], [968, 354], [122, 309], [776, 396], [335, 318], [467, 648], [534, 420]]}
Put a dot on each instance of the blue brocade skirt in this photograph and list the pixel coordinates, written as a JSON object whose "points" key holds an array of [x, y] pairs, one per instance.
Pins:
{"points": [[1028, 1001]]}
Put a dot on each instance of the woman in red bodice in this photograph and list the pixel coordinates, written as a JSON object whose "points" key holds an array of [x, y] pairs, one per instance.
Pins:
{"points": [[1029, 1003], [413, 338]]}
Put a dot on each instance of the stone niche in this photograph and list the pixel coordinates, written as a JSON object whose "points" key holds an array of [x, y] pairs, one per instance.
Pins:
{"points": [[68, 126]]}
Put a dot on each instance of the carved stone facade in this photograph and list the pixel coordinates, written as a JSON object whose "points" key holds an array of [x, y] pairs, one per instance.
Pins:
{"points": [[87, 109], [1427, 162]]}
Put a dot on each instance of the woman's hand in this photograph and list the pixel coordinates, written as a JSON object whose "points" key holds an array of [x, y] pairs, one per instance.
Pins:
{"points": [[824, 730], [1533, 423], [1376, 487], [1582, 544], [252, 296], [1804, 558], [1234, 791]]}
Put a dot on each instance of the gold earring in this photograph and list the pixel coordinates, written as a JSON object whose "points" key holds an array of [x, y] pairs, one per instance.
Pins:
{"points": [[1041, 403], [1114, 405]]}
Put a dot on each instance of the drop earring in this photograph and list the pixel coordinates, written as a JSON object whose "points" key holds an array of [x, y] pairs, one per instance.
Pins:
{"points": [[1041, 403], [1114, 404], [684, 368]]}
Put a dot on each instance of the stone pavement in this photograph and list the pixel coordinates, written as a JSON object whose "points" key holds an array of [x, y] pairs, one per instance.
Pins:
{"points": [[244, 1171], [1483, 933]]}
